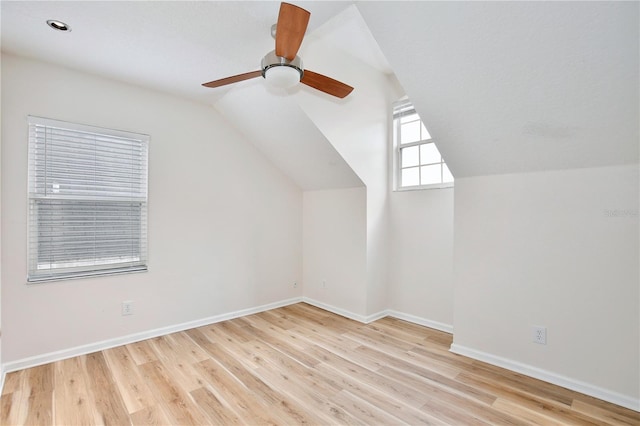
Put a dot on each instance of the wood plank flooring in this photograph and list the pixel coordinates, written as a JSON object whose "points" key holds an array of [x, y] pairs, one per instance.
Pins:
{"points": [[293, 365]]}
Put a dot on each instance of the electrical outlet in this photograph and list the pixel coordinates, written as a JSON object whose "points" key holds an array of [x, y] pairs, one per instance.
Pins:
{"points": [[540, 335], [127, 307], [295, 285]]}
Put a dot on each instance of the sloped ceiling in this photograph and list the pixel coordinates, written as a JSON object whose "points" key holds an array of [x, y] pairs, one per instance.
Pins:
{"points": [[508, 87], [287, 136], [503, 86]]}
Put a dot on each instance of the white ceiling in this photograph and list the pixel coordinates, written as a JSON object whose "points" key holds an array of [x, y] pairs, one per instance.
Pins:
{"points": [[302, 151], [509, 87], [172, 46], [502, 86]]}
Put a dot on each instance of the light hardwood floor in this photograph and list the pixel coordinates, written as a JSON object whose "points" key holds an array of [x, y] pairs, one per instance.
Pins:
{"points": [[293, 365]]}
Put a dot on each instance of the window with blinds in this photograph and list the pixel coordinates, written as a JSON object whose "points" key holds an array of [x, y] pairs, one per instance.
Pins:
{"points": [[418, 162], [87, 200]]}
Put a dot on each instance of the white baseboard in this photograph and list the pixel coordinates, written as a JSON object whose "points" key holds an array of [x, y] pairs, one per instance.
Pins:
{"points": [[550, 377], [447, 328], [386, 313], [335, 310], [136, 337], [376, 316], [3, 375]]}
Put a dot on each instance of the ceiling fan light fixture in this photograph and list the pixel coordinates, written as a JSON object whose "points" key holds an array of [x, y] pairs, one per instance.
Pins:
{"points": [[282, 77], [281, 72]]}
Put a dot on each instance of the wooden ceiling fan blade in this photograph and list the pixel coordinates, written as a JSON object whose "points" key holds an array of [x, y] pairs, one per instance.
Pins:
{"points": [[290, 29], [233, 79], [326, 84]]}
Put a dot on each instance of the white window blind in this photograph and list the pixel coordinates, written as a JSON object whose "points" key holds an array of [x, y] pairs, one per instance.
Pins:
{"points": [[87, 200]]}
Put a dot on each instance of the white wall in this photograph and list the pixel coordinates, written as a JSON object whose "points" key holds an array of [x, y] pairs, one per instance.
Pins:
{"points": [[557, 249], [1, 364], [225, 226], [403, 272], [421, 277], [358, 129], [335, 248]]}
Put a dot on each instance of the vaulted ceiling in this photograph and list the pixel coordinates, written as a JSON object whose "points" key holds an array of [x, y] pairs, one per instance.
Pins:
{"points": [[502, 86], [509, 87]]}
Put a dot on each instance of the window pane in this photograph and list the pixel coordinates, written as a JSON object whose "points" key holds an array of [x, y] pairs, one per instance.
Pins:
{"points": [[429, 154], [446, 174], [430, 174], [409, 117], [410, 156], [410, 132], [425, 133], [410, 177], [418, 162]]}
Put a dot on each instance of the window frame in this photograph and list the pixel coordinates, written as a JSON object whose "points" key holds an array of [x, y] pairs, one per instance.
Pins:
{"points": [[398, 147], [129, 204]]}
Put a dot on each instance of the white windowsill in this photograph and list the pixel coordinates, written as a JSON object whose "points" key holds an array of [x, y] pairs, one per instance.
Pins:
{"points": [[423, 187]]}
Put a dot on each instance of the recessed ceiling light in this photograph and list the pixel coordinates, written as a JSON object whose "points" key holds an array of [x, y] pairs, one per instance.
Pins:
{"points": [[58, 25]]}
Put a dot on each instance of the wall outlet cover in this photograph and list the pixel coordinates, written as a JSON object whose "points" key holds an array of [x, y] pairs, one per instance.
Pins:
{"points": [[540, 335]]}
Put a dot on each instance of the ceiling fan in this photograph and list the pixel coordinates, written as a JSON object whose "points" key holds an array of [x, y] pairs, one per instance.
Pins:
{"points": [[282, 67]]}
